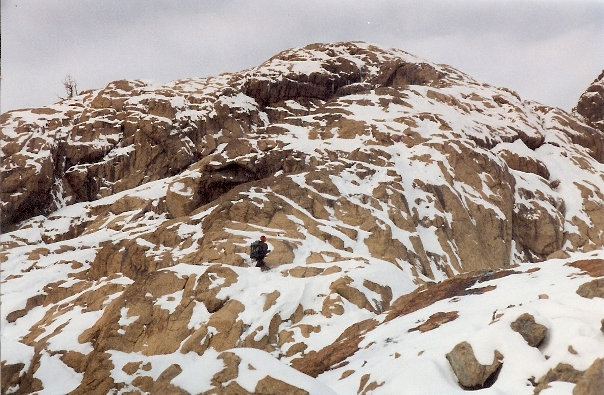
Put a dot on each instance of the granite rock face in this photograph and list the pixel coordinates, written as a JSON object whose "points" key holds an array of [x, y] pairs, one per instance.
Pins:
{"points": [[397, 196], [591, 103]]}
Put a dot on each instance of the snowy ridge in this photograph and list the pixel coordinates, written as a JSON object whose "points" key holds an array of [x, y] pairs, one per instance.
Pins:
{"points": [[408, 208]]}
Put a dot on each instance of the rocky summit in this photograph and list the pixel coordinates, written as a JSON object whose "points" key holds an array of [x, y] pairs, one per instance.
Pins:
{"points": [[428, 233]]}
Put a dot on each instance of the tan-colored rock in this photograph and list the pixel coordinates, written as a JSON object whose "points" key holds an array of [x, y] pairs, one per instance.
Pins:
{"points": [[592, 267], [207, 293], [229, 373], [211, 178], [133, 258], [271, 299], [131, 367], [13, 375], [592, 380], [532, 332], [316, 85], [591, 103], [315, 363], [482, 235], [148, 333], [470, 373], [562, 372], [270, 385], [229, 327], [436, 320], [197, 342], [183, 196], [560, 254], [97, 378], [525, 164], [538, 230], [332, 306], [592, 289], [26, 184], [342, 287], [400, 74], [191, 172], [450, 288]]}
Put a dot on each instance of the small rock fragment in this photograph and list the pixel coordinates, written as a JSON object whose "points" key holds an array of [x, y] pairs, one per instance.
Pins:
{"points": [[572, 350]]}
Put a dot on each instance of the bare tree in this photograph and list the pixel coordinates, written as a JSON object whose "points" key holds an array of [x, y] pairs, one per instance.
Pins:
{"points": [[71, 86]]}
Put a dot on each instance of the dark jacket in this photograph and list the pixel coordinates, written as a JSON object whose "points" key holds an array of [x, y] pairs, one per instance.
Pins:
{"points": [[259, 250]]}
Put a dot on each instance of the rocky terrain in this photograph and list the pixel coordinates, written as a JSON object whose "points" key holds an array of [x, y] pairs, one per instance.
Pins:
{"points": [[428, 232]]}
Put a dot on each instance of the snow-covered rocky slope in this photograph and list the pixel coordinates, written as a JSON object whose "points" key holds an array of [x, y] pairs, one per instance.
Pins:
{"points": [[429, 233]]}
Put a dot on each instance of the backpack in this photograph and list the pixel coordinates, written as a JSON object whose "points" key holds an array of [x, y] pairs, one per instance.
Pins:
{"points": [[256, 250]]}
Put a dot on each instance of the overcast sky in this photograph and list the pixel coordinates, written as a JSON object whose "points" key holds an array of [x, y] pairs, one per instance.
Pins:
{"points": [[549, 51]]}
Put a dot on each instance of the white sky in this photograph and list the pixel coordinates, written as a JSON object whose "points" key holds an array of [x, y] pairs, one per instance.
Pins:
{"points": [[549, 51]]}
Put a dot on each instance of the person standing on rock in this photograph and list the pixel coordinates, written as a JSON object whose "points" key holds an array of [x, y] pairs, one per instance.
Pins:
{"points": [[258, 251]]}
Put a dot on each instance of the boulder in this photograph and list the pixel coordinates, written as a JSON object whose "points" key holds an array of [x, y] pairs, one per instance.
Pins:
{"points": [[470, 373], [592, 289], [592, 381], [562, 372], [531, 331]]}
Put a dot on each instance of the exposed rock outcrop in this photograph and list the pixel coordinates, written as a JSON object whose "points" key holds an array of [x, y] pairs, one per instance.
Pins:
{"points": [[401, 200], [209, 136], [591, 103], [562, 372]]}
